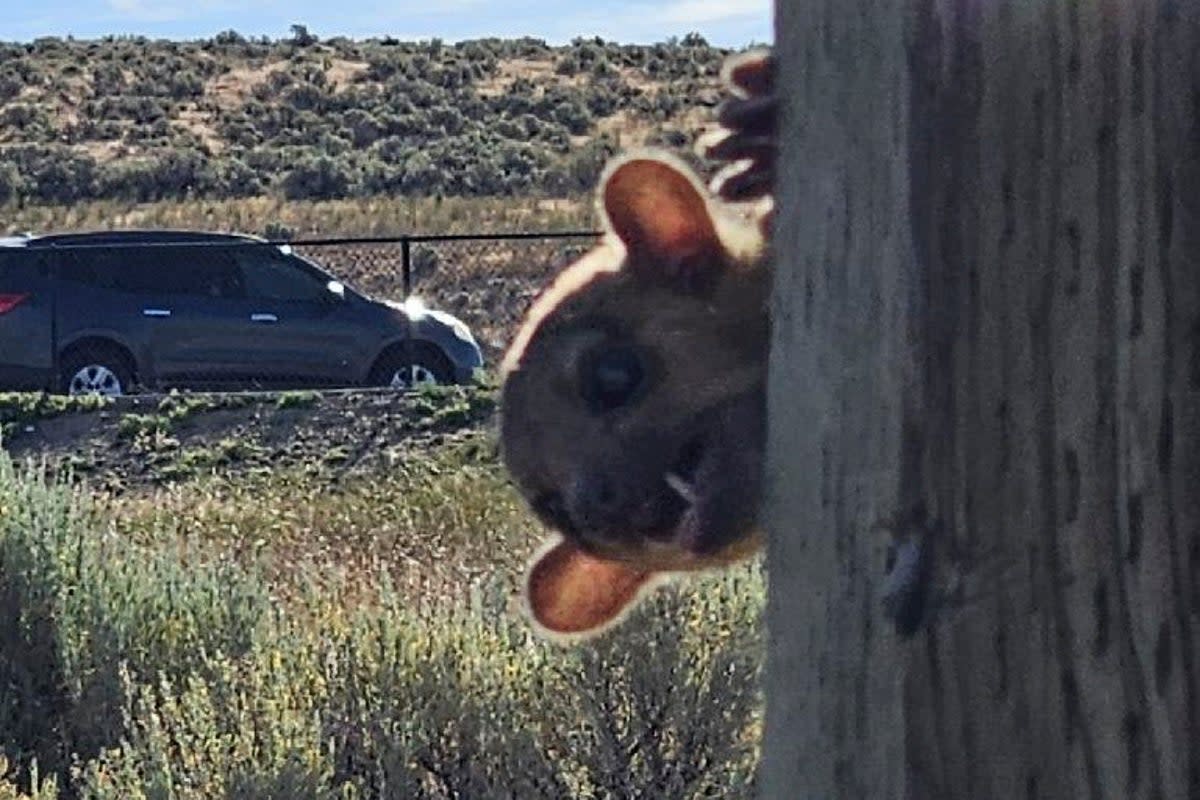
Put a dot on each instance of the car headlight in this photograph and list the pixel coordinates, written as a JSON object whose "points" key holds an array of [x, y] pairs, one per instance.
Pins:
{"points": [[416, 309], [456, 325], [462, 331]]}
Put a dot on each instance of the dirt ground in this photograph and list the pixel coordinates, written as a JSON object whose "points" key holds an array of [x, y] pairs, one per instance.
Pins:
{"points": [[153, 440]]}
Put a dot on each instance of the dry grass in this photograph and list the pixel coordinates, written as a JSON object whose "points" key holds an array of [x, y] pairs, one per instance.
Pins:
{"points": [[380, 216], [439, 520]]}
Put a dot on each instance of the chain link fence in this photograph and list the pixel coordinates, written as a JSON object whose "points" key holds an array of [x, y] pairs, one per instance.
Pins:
{"points": [[121, 312], [487, 281]]}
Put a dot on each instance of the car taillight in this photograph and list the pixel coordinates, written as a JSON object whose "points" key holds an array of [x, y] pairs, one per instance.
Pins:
{"points": [[10, 301]]}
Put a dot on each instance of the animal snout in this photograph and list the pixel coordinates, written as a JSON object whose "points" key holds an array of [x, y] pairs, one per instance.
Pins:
{"points": [[599, 504]]}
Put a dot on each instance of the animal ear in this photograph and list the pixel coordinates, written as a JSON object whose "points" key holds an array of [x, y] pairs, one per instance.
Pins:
{"points": [[661, 214], [570, 593]]}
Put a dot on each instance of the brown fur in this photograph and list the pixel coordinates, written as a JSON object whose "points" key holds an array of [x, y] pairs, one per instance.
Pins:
{"points": [[685, 292], [633, 408]]}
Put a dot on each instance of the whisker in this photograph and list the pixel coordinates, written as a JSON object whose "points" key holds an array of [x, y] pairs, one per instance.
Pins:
{"points": [[681, 487]]}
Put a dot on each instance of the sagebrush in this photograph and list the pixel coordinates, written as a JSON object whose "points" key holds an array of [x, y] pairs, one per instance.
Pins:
{"points": [[156, 664], [141, 120]]}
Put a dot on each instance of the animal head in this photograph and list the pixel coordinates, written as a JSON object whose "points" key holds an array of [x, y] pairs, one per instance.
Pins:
{"points": [[633, 406]]}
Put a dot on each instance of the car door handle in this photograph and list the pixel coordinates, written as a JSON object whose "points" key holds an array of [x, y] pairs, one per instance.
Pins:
{"points": [[156, 312], [264, 318]]}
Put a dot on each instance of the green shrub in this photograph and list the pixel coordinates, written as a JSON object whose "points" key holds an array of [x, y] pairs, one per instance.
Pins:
{"points": [[155, 666], [81, 605], [40, 789], [323, 178], [123, 117], [669, 704], [420, 702]]}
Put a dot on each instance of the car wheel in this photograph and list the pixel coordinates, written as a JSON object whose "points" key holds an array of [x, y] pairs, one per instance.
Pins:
{"points": [[420, 367], [96, 371]]}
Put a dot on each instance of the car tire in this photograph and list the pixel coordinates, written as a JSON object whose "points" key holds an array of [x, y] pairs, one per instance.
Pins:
{"points": [[405, 368], [95, 370]]}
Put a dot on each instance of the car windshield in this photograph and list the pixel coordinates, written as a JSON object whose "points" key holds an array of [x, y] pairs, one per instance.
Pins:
{"points": [[292, 255]]}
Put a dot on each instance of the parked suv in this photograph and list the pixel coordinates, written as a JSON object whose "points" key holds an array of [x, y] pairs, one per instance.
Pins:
{"points": [[101, 313]]}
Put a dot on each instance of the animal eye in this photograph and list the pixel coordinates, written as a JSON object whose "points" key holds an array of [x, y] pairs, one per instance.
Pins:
{"points": [[611, 378]]}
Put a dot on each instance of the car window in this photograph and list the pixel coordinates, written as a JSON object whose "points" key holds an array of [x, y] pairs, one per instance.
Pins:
{"points": [[270, 275], [199, 271], [212, 272], [20, 270]]}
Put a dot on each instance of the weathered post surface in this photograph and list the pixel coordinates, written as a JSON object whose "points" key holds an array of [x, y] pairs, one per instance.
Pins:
{"points": [[988, 303]]}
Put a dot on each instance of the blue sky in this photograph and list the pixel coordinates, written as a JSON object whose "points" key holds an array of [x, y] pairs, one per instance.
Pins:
{"points": [[722, 22]]}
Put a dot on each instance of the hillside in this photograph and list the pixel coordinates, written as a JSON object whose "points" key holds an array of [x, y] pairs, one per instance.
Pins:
{"points": [[136, 120]]}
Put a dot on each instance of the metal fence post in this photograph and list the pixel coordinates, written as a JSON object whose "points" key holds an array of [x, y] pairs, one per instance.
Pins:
{"points": [[406, 265]]}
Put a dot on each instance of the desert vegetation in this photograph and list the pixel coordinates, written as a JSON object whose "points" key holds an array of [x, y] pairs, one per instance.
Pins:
{"points": [[309, 119], [212, 612], [218, 653]]}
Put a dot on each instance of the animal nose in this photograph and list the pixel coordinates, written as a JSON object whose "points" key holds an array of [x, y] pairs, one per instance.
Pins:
{"points": [[599, 503]]}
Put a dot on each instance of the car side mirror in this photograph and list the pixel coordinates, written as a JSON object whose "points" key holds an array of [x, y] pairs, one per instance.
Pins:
{"points": [[337, 289]]}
